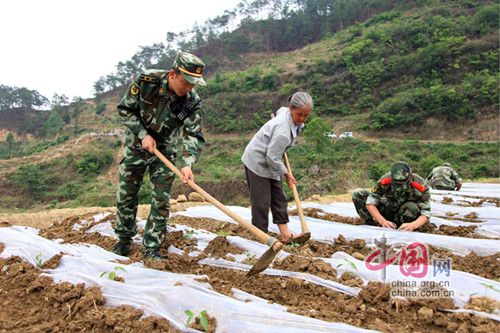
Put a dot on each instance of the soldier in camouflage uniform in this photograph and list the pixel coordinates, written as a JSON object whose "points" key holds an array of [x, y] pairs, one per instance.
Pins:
{"points": [[399, 200], [444, 177], [160, 110]]}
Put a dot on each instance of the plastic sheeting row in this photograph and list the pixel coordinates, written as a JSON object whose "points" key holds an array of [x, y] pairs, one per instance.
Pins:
{"points": [[158, 293]]}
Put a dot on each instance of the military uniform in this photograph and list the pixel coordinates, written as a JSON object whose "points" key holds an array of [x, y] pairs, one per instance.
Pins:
{"points": [[444, 177], [149, 107], [399, 201]]}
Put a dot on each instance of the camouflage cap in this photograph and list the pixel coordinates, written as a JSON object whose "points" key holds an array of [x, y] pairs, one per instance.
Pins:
{"points": [[190, 66], [401, 172], [447, 164]]}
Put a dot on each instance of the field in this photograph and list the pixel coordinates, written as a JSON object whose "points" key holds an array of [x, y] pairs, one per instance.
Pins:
{"points": [[62, 277]]}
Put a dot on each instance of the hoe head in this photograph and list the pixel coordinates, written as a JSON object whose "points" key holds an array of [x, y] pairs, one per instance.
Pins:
{"points": [[302, 238], [266, 259]]}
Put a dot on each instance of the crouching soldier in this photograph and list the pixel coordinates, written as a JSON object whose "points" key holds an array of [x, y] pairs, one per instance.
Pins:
{"points": [[444, 177], [160, 110], [400, 200]]}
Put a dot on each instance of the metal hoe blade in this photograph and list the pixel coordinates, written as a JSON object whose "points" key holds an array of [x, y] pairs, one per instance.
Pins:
{"points": [[303, 238], [264, 261]]}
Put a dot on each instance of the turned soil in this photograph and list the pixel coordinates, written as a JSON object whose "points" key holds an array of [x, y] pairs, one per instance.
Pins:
{"points": [[66, 307]]}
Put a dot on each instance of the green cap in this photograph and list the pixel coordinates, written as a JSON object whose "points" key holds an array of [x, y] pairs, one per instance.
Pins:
{"points": [[401, 172], [190, 66]]}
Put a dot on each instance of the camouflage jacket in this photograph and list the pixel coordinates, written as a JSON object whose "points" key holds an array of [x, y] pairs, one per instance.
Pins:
{"points": [[417, 191], [149, 107], [443, 177]]}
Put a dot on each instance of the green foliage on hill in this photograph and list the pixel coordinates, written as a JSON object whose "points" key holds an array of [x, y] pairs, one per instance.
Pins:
{"points": [[70, 178], [437, 61], [344, 164]]}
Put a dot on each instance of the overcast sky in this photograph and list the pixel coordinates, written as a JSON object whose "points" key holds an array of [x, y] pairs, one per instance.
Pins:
{"points": [[64, 46]]}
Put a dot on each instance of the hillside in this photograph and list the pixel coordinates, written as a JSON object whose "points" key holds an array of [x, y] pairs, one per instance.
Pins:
{"points": [[419, 85]]}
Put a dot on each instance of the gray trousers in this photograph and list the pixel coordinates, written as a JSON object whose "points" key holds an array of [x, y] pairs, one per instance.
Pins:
{"points": [[266, 193]]}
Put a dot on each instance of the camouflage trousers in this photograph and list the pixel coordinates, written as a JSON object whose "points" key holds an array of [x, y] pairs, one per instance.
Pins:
{"points": [[407, 212], [131, 173]]}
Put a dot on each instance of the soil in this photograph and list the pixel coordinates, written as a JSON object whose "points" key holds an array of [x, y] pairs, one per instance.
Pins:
{"points": [[68, 307], [31, 302], [462, 231], [320, 214]]}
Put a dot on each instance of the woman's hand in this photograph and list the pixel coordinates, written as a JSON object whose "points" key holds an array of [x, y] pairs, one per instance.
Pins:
{"points": [[290, 180]]}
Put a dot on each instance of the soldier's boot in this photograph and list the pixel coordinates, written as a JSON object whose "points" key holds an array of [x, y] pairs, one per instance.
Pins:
{"points": [[153, 254], [122, 248]]}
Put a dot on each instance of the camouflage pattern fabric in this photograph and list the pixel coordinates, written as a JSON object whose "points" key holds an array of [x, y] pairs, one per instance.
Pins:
{"points": [[149, 107], [443, 178], [399, 203]]}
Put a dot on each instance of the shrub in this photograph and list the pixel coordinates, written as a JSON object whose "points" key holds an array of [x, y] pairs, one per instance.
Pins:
{"points": [[31, 179]]}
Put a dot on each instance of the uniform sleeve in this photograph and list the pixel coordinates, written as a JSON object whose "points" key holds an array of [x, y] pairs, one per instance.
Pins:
{"points": [[193, 140], [375, 194], [455, 176], [274, 154], [425, 203], [129, 109]]}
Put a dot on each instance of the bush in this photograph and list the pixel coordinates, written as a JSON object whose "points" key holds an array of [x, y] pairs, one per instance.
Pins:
{"points": [[100, 108], [377, 170], [92, 163], [428, 163], [486, 19], [31, 179]]}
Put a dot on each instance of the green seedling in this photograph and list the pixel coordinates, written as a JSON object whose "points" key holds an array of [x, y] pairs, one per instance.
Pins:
{"points": [[294, 246], [223, 233], [250, 258], [38, 260], [488, 286], [353, 265], [190, 316], [190, 234], [204, 320], [202, 317], [112, 274]]}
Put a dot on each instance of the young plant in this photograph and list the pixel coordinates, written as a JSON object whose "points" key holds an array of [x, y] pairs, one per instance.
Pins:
{"points": [[250, 258], [189, 234], [202, 317], [488, 286], [353, 265], [294, 246], [223, 233], [112, 274], [38, 260], [204, 320], [190, 316]]}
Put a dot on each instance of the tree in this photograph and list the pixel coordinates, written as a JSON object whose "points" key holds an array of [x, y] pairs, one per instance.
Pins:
{"points": [[9, 139], [30, 178], [314, 132]]}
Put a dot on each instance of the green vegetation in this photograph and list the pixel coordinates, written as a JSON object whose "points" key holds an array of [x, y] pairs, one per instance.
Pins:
{"points": [[112, 275], [38, 260], [12, 148], [402, 68], [345, 164], [202, 317], [71, 179], [350, 263]]}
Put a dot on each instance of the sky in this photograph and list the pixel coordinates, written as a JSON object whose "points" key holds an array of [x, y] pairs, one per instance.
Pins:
{"points": [[64, 46]]}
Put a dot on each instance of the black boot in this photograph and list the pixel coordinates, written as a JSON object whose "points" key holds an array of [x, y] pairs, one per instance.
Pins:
{"points": [[153, 254], [122, 248]]}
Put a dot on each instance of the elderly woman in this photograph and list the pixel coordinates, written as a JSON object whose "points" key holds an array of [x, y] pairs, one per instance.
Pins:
{"points": [[264, 167]]}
